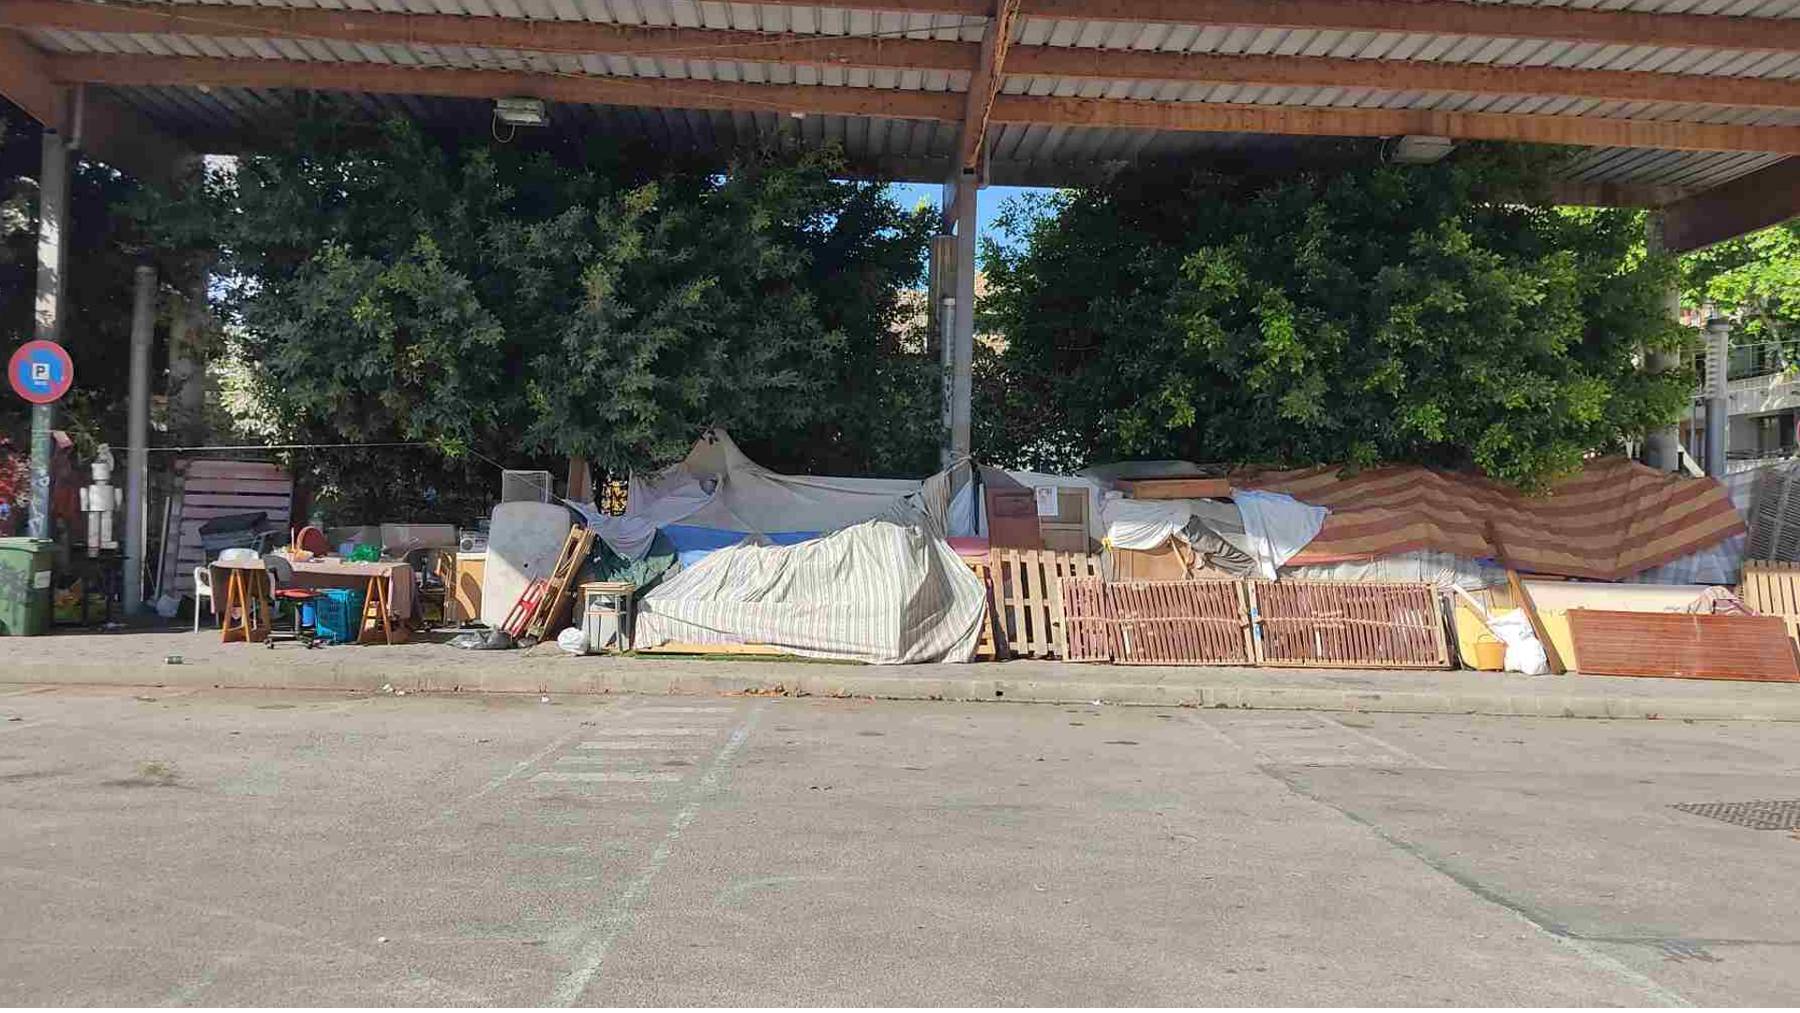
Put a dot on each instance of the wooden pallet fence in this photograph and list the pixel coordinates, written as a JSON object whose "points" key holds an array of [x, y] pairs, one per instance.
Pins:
{"points": [[1327, 624], [210, 489], [1088, 620], [1179, 622], [1028, 584], [1773, 589]]}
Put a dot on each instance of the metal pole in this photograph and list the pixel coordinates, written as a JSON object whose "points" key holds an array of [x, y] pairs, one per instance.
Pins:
{"points": [[137, 430], [52, 255], [1718, 402], [962, 345], [1662, 446]]}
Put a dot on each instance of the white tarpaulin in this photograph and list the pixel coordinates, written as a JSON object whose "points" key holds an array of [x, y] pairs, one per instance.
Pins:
{"points": [[1277, 526], [718, 487], [881, 592]]}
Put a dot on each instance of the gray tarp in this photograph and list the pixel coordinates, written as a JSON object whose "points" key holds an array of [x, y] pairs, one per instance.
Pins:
{"points": [[881, 592]]}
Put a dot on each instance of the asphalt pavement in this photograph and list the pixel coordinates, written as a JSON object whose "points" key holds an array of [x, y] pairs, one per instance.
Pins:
{"points": [[223, 847]]}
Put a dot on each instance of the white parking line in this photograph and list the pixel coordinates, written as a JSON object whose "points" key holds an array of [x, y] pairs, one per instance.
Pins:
{"points": [[639, 745], [648, 732], [604, 776]]}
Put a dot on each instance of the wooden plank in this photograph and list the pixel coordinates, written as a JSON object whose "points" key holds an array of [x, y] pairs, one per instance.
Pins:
{"points": [[1177, 488], [1683, 646], [199, 468], [241, 486]]}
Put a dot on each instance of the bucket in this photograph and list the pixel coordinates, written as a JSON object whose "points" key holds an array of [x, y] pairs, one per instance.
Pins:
{"points": [[1490, 654]]}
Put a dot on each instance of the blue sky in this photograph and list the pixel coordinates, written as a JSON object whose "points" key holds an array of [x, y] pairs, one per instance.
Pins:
{"points": [[992, 198]]}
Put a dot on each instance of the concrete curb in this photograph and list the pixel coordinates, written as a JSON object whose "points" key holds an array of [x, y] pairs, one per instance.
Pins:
{"points": [[540, 674]]}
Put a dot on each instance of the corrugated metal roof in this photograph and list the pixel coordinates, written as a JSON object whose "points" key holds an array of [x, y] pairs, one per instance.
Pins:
{"points": [[1017, 152]]}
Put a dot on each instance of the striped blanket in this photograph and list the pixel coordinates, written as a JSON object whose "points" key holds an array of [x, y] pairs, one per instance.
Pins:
{"points": [[1614, 519]]}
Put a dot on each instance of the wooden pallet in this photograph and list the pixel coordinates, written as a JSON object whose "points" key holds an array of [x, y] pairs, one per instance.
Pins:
{"points": [[1028, 583], [1773, 589], [1181, 622], [1088, 621], [991, 646], [1331, 624]]}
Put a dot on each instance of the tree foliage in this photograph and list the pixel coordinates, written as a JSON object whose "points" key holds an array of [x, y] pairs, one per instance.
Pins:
{"points": [[1757, 280], [499, 302], [1381, 313], [103, 249]]}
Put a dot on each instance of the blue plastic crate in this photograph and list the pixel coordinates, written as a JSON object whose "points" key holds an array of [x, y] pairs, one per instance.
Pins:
{"points": [[339, 614]]}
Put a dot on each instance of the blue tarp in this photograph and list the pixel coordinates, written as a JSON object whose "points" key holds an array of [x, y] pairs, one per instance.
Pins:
{"points": [[693, 543]]}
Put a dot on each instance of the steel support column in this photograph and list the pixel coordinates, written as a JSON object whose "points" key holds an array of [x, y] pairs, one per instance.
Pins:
{"points": [[52, 257], [137, 430], [1718, 404], [961, 359]]}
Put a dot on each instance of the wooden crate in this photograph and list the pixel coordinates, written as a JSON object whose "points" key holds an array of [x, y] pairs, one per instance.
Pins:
{"points": [[1028, 585], [1773, 589], [1331, 624], [1180, 622]]}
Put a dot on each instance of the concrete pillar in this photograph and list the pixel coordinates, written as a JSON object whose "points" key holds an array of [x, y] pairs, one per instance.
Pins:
{"points": [[1718, 402], [1662, 446], [137, 434], [52, 257]]}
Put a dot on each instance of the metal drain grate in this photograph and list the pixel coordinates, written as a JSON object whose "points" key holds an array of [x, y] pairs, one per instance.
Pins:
{"points": [[1777, 814]]}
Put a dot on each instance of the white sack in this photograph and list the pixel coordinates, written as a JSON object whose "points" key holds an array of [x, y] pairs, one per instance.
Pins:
{"points": [[1523, 652]]}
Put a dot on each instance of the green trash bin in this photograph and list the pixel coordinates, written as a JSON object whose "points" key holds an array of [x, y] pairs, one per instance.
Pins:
{"points": [[24, 586]]}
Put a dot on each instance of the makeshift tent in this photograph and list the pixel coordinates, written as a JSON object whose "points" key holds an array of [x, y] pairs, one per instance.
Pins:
{"points": [[881, 592], [1614, 519], [717, 495]]}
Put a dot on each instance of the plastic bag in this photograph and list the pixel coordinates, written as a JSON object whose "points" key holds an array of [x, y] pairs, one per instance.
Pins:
{"points": [[572, 640], [1523, 652], [483, 640]]}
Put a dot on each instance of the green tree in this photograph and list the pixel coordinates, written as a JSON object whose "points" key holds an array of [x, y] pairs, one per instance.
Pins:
{"points": [[496, 302], [1755, 279], [1382, 313]]}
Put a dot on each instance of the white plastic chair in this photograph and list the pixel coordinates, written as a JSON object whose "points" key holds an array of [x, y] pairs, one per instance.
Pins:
{"points": [[202, 589], [203, 577]]}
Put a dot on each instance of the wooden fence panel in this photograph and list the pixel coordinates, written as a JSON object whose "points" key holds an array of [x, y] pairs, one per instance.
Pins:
{"points": [[1683, 645], [1179, 622], [1088, 620], [1327, 624]]}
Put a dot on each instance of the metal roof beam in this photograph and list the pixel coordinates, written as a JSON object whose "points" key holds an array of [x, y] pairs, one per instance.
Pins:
{"points": [[1766, 197], [945, 106], [583, 37]]}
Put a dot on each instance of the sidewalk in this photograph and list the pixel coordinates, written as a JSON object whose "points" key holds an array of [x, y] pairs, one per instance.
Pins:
{"points": [[138, 658]]}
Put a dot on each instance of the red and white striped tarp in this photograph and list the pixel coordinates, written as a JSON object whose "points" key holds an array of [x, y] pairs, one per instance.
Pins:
{"points": [[1612, 520]]}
